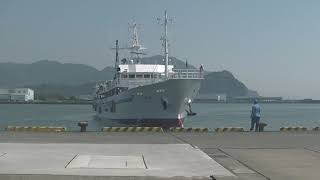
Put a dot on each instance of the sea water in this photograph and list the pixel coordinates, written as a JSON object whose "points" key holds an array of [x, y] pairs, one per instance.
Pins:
{"points": [[208, 115]]}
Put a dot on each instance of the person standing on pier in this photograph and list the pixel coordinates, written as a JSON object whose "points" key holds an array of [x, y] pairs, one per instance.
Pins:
{"points": [[255, 115]]}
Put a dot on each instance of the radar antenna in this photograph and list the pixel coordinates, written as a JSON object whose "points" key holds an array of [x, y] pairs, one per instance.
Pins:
{"points": [[136, 49]]}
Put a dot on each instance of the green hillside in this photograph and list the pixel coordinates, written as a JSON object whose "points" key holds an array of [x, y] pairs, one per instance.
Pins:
{"points": [[51, 78]]}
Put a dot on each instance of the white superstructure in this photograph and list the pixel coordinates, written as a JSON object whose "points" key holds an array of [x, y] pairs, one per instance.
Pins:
{"points": [[144, 68], [146, 94], [17, 94]]}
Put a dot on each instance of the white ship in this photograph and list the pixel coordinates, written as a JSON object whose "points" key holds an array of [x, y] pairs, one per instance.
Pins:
{"points": [[147, 94]]}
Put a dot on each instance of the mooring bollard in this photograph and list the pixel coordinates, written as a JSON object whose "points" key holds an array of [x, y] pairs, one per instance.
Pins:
{"points": [[261, 126], [83, 126]]}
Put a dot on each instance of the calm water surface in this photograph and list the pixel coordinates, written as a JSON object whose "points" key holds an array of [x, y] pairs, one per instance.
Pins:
{"points": [[209, 115]]}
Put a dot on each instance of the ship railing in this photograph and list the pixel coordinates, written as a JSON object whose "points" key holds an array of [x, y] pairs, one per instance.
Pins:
{"points": [[138, 82], [154, 77], [186, 74]]}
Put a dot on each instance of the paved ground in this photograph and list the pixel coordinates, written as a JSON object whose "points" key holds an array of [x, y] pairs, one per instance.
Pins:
{"points": [[268, 155], [159, 160]]}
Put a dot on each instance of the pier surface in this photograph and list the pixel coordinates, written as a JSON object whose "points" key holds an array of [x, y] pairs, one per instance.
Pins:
{"points": [[102, 155]]}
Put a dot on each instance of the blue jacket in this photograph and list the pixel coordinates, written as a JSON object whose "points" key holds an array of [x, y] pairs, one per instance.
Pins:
{"points": [[256, 111]]}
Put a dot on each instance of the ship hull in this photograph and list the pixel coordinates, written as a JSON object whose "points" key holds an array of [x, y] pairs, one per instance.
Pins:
{"points": [[159, 104]]}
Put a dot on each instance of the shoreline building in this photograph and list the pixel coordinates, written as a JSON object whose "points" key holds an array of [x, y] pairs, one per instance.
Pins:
{"points": [[211, 98], [17, 95], [245, 99]]}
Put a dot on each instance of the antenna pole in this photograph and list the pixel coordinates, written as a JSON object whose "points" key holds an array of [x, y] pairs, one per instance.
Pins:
{"points": [[166, 44], [117, 55], [116, 65]]}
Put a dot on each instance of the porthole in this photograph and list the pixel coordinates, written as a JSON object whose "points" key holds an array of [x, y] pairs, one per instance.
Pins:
{"points": [[160, 90]]}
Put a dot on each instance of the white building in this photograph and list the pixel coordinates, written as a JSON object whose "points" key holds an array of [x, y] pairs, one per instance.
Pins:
{"points": [[17, 94]]}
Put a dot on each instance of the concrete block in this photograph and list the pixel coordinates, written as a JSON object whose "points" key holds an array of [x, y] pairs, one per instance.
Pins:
{"points": [[35, 129], [230, 129], [132, 129], [190, 129], [292, 129]]}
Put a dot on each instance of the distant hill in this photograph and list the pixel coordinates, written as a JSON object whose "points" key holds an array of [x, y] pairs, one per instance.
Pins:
{"points": [[223, 83], [158, 59], [44, 72], [66, 79]]}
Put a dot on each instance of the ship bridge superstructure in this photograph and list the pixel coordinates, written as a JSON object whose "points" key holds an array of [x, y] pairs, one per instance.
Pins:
{"points": [[135, 75]]}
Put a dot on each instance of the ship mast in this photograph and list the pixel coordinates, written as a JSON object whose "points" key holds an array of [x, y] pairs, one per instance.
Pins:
{"points": [[117, 54], [135, 38], [136, 49], [116, 66], [165, 39]]}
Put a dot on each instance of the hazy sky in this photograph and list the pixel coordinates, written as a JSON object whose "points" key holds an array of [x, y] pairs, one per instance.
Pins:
{"points": [[272, 46]]}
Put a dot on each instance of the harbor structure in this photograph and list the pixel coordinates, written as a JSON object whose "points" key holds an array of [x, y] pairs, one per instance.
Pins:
{"points": [[245, 99], [146, 94], [85, 97], [211, 97], [17, 95]]}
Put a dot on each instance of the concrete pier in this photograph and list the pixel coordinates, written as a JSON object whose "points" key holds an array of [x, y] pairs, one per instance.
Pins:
{"points": [[105, 155]]}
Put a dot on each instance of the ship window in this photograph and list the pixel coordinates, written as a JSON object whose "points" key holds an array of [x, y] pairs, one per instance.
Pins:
{"points": [[146, 76], [153, 75], [139, 76], [131, 76], [160, 90], [124, 75]]}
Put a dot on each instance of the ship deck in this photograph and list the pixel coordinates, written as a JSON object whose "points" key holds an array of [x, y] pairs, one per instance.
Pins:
{"points": [[243, 155]]}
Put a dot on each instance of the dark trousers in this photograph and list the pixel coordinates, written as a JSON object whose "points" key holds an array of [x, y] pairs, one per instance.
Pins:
{"points": [[255, 121]]}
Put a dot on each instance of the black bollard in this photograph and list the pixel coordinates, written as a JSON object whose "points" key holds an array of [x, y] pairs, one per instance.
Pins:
{"points": [[261, 126], [83, 126]]}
